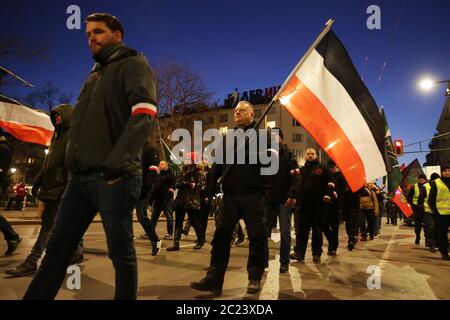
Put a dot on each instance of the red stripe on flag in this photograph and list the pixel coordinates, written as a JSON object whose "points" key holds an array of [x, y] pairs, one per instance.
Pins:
{"points": [[28, 133], [304, 106], [143, 111]]}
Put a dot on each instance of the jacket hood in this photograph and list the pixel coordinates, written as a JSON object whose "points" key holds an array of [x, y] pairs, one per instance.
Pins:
{"points": [[112, 53], [65, 111]]}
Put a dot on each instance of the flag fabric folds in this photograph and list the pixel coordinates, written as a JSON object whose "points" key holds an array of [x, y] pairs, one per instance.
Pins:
{"points": [[400, 200], [410, 175], [24, 123], [394, 176], [327, 96]]}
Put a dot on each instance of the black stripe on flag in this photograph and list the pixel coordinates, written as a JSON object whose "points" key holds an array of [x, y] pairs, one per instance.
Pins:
{"points": [[339, 64]]}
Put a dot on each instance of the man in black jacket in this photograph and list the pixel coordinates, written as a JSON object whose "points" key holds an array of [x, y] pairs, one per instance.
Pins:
{"points": [[314, 191], [162, 197], [12, 238], [150, 159], [281, 199], [111, 122], [413, 197], [439, 202], [244, 196], [333, 210]]}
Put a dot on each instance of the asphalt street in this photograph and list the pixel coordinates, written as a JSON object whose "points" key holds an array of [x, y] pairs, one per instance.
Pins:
{"points": [[406, 270]]}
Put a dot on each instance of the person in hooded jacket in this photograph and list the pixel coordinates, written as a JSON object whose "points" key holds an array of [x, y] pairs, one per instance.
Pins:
{"points": [[49, 186]]}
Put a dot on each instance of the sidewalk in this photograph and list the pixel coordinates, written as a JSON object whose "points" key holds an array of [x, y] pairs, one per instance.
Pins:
{"points": [[29, 217]]}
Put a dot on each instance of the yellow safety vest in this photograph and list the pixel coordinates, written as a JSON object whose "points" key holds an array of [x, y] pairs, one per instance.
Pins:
{"points": [[426, 207], [416, 194], [442, 198]]}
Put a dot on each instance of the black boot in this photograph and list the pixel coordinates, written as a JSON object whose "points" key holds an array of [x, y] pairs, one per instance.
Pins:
{"points": [[12, 245], [23, 269], [176, 241]]}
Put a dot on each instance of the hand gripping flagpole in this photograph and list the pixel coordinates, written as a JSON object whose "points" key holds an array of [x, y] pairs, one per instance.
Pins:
{"points": [[276, 97]]}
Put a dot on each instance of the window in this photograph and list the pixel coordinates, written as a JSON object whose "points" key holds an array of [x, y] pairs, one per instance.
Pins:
{"points": [[258, 113], [271, 124], [297, 137], [272, 110], [210, 120], [224, 117], [295, 123]]}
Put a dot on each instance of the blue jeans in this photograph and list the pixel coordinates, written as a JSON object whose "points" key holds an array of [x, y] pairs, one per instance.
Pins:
{"points": [[85, 195], [284, 213]]}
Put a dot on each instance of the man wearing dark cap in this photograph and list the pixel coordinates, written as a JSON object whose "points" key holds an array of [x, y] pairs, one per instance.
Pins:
{"points": [[413, 197], [439, 202]]}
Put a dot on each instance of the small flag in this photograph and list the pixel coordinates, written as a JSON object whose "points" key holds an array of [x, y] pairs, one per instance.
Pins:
{"points": [[170, 158], [400, 200], [410, 175]]}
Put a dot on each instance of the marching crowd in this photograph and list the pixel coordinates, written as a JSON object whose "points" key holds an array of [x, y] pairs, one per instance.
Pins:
{"points": [[100, 161]]}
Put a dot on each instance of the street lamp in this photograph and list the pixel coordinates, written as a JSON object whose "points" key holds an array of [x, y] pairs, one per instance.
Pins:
{"points": [[13, 170], [427, 84]]}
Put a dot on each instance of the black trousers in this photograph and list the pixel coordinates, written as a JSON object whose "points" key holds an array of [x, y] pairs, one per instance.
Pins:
{"points": [[250, 207], [418, 220], [205, 208], [331, 227], [7, 230], [307, 219], [194, 218], [443, 222], [351, 218], [367, 223], [430, 229]]}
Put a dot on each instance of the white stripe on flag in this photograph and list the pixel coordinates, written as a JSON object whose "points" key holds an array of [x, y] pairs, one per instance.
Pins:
{"points": [[25, 116], [341, 107]]}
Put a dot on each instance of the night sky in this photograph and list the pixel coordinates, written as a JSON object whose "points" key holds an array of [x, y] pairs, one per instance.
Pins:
{"points": [[253, 44]]}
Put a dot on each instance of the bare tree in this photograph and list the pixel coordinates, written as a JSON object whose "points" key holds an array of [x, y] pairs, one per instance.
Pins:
{"points": [[12, 46], [47, 97], [180, 91]]}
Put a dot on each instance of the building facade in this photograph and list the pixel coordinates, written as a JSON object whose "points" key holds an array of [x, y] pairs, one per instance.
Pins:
{"points": [[441, 156], [221, 118]]}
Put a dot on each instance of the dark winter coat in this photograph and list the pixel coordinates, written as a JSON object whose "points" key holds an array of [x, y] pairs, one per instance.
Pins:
{"points": [[52, 178], [113, 116], [281, 184], [314, 185]]}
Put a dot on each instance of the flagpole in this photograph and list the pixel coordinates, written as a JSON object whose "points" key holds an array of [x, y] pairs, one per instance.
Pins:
{"points": [[299, 64], [302, 60], [275, 98]]}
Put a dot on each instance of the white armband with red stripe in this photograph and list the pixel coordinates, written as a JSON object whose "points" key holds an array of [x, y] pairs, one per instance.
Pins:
{"points": [[144, 108]]}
